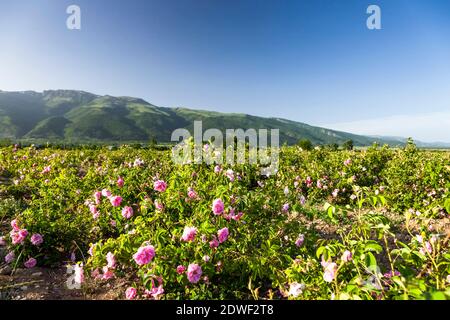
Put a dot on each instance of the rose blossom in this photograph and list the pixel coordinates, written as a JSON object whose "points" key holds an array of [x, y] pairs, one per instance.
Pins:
{"points": [[111, 259], [30, 263], [346, 256], [300, 240], [296, 289], [37, 239], [107, 273], [97, 197], [15, 225], [130, 293], [217, 206], [214, 243], [10, 257], [120, 182], [181, 269], [194, 272], [127, 212], [79, 274], [330, 270], [223, 234], [189, 234], [115, 201], [144, 255], [106, 193], [160, 185]]}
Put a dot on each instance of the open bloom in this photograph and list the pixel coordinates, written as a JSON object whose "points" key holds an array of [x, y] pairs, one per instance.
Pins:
{"points": [[131, 293], [30, 263], [115, 201], [111, 259], [97, 197], [223, 234], [230, 174], [300, 240], [10, 257], [330, 269], [189, 234], [217, 206], [160, 186], [127, 212], [194, 272], [144, 255], [155, 292], [214, 243], [346, 256], [159, 206], [348, 162], [79, 274], [37, 239], [285, 207], [107, 273], [192, 194], [296, 289], [181, 269], [15, 225], [106, 193]]}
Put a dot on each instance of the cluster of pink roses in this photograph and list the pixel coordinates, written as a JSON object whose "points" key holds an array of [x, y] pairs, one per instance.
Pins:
{"points": [[18, 236], [108, 269]]}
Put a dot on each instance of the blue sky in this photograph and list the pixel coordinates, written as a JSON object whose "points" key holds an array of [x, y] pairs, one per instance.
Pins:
{"points": [[309, 61]]}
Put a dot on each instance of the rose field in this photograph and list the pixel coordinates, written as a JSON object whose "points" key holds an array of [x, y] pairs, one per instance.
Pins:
{"points": [[360, 224]]}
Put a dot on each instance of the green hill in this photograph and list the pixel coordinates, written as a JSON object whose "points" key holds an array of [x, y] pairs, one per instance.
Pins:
{"points": [[81, 116]]}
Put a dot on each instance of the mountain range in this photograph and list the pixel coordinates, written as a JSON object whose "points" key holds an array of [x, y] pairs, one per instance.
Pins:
{"points": [[74, 116]]}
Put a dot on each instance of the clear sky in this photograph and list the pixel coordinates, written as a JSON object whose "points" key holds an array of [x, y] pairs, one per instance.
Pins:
{"points": [[312, 61]]}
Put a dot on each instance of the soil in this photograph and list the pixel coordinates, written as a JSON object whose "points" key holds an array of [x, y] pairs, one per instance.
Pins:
{"points": [[51, 284]]}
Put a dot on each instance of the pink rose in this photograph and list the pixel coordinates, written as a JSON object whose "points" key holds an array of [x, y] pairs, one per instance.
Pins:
{"points": [[346, 256], [181, 269], [115, 201], [194, 272], [107, 273], [97, 197], [79, 274], [217, 206], [15, 225], [330, 269], [159, 206], [37, 239], [111, 259], [131, 293], [30, 263], [192, 194], [223, 234], [300, 240], [120, 182], [10, 257], [127, 212], [160, 186], [144, 255], [106, 193], [214, 243], [189, 234]]}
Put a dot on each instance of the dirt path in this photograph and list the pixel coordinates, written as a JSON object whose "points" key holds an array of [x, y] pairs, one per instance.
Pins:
{"points": [[51, 284]]}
